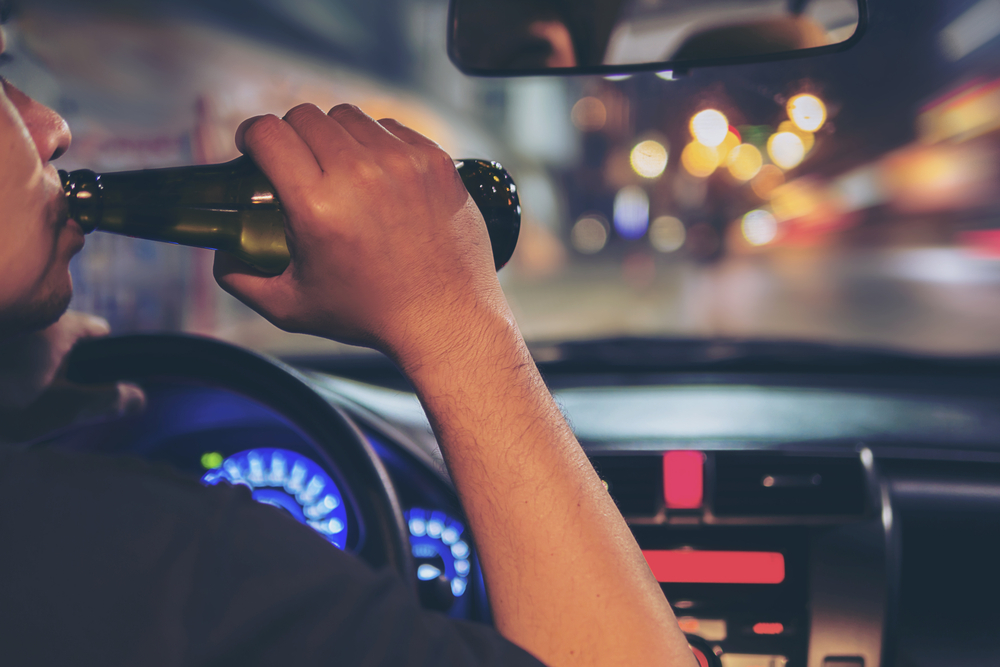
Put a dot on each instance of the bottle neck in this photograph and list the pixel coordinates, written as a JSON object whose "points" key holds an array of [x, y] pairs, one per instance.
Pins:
{"points": [[99, 201]]}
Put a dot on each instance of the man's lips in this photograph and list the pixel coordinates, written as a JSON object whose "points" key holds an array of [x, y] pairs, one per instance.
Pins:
{"points": [[76, 234]]}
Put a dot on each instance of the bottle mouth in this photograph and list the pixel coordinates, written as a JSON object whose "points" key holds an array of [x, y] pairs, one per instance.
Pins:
{"points": [[83, 192]]}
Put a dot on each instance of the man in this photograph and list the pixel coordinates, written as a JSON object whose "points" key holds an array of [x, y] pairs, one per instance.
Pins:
{"points": [[113, 562]]}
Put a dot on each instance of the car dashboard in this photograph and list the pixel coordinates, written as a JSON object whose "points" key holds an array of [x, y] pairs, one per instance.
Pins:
{"points": [[831, 515]]}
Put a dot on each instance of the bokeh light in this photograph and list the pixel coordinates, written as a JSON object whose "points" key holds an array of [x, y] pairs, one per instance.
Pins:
{"points": [[649, 158], [631, 212], [726, 147], [808, 138], [589, 114], [800, 198], [769, 178], [667, 234], [699, 160], [211, 460], [786, 149], [759, 227], [709, 127], [590, 234], [807, 111], [745, 162]]}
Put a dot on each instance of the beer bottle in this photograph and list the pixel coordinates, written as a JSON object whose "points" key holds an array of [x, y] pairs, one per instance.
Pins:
{"points": [[233, 207]]}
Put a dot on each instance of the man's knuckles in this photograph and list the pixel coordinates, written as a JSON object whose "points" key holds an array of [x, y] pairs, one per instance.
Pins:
{"points": [[347, 112], [405, 166], [306, 117]]}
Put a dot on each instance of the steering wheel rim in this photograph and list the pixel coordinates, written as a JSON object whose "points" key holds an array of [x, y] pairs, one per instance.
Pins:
{"points": [[144, 357]]}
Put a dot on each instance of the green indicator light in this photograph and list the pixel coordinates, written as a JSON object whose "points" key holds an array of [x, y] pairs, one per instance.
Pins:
{"points": [[211, 460]]}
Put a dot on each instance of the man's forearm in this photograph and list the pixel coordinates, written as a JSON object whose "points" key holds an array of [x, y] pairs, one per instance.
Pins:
{"points": [[565, 576], [388, 249]]}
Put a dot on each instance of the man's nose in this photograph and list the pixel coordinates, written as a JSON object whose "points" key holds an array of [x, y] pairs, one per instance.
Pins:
{"points": [[47, 128]]}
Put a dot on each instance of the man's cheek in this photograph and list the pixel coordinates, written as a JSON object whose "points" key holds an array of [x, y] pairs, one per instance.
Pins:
{"points": [[27, 247]]}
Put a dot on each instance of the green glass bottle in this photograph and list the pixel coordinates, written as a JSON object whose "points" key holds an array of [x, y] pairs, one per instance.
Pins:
{"points": [[233, 207]]}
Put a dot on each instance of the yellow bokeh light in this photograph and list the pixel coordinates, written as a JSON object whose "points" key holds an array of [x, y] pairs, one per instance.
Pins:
{"points": [[759, 227], [808, 138], [786, 149], [699, 159], [589, 114], [667, 234], [807, 112], [726, 147], [797, 199], [769, 178], [709, 127], [649, 158], [745, 162]]}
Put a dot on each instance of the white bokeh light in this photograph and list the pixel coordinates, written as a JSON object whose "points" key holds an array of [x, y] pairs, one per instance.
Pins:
{"points": [[759, 227], [709, 127]]}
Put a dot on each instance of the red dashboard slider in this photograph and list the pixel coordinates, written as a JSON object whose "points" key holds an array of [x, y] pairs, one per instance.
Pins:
{"points": [[683, 479], [768, 628], [689, 566]]}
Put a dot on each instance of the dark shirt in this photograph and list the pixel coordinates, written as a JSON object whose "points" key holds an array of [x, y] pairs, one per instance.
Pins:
{"points": [[119, 562]]}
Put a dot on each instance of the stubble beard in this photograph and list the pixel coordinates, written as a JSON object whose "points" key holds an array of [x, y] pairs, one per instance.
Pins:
{"points": [[35, 315]]}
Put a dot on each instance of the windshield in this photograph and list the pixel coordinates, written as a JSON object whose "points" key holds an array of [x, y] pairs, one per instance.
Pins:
{"points": [[850, 198]]}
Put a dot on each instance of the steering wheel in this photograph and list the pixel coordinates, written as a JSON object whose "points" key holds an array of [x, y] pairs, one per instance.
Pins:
{"points": [[208, 362]]}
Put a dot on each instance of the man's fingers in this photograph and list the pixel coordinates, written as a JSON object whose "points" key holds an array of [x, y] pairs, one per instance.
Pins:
{"points": [[326, 138], [131, 399], [404, 133], [242, 129], [283, 156], [262, 293], [91, 326], [361, 126]]}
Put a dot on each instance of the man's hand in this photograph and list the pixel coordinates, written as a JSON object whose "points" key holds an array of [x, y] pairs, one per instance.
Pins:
{"points": [[35, 399], [387, 248]]}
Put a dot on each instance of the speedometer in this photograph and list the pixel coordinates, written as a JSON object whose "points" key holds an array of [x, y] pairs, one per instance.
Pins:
{"points": [[290, 481], [439, 551]]}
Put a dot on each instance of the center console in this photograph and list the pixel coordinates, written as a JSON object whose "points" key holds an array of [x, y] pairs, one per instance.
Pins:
{"points": [[776, 559]]}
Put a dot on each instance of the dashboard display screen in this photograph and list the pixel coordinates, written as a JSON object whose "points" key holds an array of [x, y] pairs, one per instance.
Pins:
{"points": [[290, 481], [691, 566]]}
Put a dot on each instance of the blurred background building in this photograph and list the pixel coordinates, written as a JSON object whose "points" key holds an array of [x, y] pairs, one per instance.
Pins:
{"points": [[849, 198]]}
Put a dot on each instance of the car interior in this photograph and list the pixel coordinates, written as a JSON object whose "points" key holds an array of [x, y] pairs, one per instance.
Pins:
{"points": [[758, 267]]}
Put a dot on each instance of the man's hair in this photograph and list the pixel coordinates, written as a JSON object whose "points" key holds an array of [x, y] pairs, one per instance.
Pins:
{"points": [[6, 10]]}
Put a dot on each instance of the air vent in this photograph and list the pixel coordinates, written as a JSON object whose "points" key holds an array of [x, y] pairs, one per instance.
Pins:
{"points": [[635, 482], [755, 484]]}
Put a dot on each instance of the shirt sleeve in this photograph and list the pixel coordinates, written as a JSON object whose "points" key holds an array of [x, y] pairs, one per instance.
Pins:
{"points": [[109, 561]]}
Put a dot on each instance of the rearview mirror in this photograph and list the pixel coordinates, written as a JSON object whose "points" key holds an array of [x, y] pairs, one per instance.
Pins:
{"points": [[522, 37]]}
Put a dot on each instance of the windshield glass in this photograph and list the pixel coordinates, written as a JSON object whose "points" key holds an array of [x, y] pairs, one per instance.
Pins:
{"points": [[848, 198]]}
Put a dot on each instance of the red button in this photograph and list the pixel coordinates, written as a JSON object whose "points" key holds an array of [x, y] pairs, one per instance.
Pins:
{"points": [[683, 485]]}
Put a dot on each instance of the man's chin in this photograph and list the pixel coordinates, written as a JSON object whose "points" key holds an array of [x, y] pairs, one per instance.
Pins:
{"points": [[36, 315]]}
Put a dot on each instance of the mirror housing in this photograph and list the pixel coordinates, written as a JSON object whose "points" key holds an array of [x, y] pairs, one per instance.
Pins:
{"points": [[609, 37]]}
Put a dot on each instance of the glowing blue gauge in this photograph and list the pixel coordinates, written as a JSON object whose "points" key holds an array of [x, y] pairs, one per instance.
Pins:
{"points": [[438, 548], [292, 482]]}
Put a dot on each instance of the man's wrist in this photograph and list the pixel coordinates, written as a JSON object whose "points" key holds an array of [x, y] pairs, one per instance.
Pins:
{"points": [[481, 339]]}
